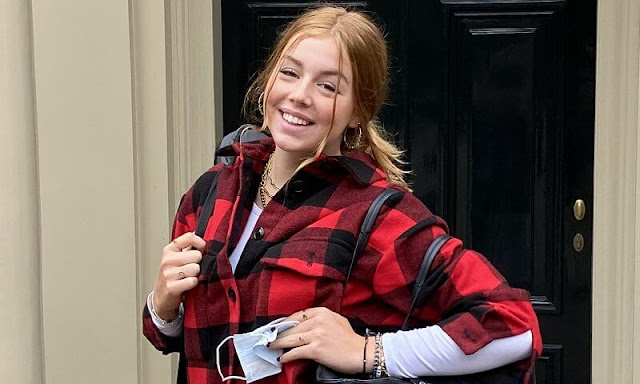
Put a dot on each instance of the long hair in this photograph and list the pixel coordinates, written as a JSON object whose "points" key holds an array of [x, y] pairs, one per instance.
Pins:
{"points": [[357, 36]]}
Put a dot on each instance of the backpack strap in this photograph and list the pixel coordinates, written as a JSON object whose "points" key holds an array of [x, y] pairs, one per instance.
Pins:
{"points": [[203, 219], [207, 207], [427, 260], [242, 134], [367, 225]]}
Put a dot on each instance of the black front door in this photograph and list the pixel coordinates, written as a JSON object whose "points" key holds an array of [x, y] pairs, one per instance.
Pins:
{"points": [[494, 103]]}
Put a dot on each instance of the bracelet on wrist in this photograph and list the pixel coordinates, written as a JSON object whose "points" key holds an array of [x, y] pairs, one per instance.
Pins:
{"points": [[152, 309], [383, 361], [364, 353], [377, 370], [165, 322]]}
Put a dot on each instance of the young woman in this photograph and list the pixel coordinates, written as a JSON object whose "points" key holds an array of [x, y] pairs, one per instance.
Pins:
{"points": [[281, 234]]}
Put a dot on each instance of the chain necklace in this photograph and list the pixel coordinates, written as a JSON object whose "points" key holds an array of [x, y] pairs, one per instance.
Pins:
{"points": [[270, 180], [266, 175]]}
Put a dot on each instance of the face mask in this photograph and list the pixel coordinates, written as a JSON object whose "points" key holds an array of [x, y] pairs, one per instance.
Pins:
{"points": [[256, 359]]}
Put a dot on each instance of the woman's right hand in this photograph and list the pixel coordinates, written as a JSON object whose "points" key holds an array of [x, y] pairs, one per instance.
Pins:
{"points": [[179, 269]]}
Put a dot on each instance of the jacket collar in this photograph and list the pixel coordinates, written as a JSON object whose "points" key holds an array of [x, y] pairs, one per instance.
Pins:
{"points": [[359, 164]]}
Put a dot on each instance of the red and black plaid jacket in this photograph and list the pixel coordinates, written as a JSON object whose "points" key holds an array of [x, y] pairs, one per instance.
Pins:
{"points": [[298, 256]]}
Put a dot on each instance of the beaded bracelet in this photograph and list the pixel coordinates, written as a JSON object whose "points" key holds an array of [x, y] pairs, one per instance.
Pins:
{"points": [[377, 369], [383, 362]]}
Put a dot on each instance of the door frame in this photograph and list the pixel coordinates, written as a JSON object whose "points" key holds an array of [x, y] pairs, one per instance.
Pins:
{"points": [[616, 224], [616, 208]]}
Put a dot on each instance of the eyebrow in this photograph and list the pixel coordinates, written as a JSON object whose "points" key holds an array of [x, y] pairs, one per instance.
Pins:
{"points": [[325, 73]]}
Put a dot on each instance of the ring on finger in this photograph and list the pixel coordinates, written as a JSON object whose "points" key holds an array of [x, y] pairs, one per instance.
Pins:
{"points": [[301, 338], [304, 316], [181, 275]]}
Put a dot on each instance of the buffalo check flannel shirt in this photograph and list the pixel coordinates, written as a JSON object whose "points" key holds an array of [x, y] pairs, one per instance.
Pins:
{"points": [[298, 256]]}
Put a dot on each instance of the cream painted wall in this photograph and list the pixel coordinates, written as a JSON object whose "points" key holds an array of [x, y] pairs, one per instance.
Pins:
{"points": [[20, 325], [89, 117], [174, 77], [153, 212], [83, 80], [106, 76]]}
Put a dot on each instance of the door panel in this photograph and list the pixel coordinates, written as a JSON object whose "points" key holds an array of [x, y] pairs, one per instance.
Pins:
{"points": [[506, 134], [494, 104]]}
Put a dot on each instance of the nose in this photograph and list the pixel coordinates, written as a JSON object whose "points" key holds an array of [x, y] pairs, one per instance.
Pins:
{"points": [[300, 94]]}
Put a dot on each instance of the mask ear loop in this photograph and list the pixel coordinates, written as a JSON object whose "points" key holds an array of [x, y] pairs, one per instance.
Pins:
{"points": [[218, 362]]}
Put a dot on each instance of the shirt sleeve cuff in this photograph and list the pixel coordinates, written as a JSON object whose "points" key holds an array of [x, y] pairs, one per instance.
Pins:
{"points": [[172, 328]]}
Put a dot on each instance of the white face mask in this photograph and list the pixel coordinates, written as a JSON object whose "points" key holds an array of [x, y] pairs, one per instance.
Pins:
{"points": [[256, 359]]}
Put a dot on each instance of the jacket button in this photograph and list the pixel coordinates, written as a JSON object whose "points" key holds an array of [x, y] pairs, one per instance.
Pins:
{"points": [[297, 186], [232, 294], [258, 233]]}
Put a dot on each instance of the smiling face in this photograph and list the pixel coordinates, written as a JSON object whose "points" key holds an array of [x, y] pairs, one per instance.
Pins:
{"points": [[300, 104]]}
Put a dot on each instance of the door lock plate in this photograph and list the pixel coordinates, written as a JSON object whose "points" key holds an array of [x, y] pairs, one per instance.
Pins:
{"points": [[578, 242]]}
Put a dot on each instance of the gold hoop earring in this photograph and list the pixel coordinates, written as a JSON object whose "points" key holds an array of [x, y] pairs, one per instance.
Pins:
{"points": [[355, 143], [260, 107]]}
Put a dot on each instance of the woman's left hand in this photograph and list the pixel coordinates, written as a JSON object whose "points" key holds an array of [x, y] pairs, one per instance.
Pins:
{"points": [[326, 337]]}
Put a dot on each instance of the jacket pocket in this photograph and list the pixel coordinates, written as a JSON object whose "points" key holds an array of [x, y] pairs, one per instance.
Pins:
{"points": [[303, 274]]}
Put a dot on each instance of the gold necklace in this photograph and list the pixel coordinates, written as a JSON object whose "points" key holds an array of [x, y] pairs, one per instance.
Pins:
{"points": [[263, 199], [266, 174], [266, 191], [270, 178]]}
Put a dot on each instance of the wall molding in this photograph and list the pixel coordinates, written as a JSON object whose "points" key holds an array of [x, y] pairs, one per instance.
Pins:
{"points": [[174, 135], [83, 112], [151, 167], [616, 265], [194, 95], [190, 91]]}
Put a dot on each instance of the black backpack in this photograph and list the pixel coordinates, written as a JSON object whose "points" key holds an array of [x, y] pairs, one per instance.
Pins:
{"points": [[243, 134]]}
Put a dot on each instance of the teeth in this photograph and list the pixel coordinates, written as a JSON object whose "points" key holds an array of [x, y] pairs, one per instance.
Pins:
{"points": [[293, 119]]}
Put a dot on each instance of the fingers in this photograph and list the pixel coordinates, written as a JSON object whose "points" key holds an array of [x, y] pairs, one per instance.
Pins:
{"points": [[186, 240], [294, 340], [182, 250], [181, 258], [308, 319], [178, 287], [303, 352], [179, 270], [191, 269], [303, 315], [311, 313], [293, 337], [323, 336], [182, 272]]}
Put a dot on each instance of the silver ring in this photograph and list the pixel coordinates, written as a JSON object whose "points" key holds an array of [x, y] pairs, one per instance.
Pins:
{"points": [[181, 275]]}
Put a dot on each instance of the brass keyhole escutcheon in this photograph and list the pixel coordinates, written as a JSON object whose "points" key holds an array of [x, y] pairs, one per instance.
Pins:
{"points": [[578, 242], [579, 209]]}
